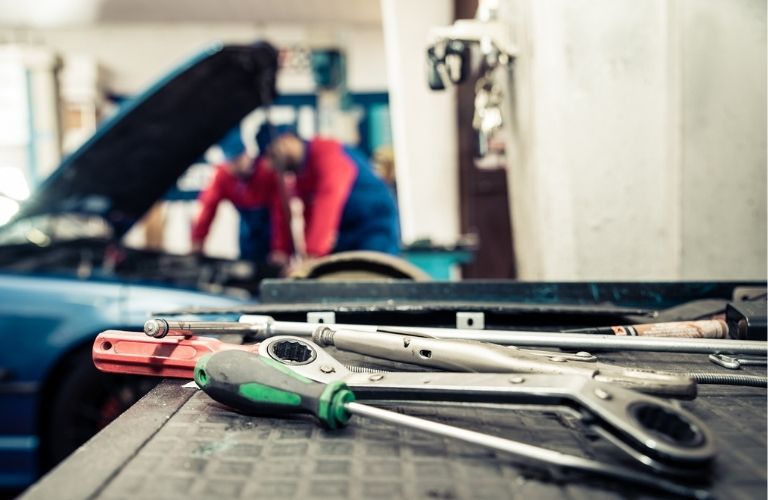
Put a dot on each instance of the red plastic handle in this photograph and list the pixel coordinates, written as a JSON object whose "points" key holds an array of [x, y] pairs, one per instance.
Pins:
{"points": [[134, 353]]}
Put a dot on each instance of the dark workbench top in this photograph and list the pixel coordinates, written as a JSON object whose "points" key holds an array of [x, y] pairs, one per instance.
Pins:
{"points": [[176, 442]]}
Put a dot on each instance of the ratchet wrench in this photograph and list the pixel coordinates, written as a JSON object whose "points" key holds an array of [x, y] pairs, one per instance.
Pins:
{"points": [[653, 431], [268, 383]]}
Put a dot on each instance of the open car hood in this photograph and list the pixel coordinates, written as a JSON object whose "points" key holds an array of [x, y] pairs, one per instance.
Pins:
{"points": [[136, 157]]}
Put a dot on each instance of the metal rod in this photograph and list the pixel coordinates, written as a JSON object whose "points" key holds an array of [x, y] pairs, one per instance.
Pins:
{"points": [[160, 327], [523, 450], [591, 342], [576, 341], [262, 327]]}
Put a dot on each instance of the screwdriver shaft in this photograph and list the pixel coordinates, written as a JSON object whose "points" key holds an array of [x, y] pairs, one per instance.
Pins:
{"points": [[518, 449]]}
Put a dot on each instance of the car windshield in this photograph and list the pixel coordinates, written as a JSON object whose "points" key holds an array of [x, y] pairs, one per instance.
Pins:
{"points": [[44, 230]]}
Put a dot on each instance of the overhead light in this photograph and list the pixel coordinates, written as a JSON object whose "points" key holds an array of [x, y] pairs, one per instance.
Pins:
{"points": [[49, 13], [8, 209], [13, 184]]}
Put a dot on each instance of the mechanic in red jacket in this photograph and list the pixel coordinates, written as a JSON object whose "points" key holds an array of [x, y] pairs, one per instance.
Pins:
{"points": [[253, 188], [346, 206]]}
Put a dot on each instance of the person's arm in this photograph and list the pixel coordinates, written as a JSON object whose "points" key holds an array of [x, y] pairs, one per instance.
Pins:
{"points": [[336, 173], [209, 200], [281, 244]]}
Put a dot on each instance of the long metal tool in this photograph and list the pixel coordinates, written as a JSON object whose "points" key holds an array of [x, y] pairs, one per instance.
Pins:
{"points": [[261, 327], [472, 356], [263, 385]]}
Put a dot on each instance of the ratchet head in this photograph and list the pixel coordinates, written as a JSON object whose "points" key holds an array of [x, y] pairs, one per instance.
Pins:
{"points": [[304, 357], [658, 433]]}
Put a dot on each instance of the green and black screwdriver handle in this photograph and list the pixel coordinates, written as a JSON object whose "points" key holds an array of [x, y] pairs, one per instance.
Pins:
{"points": [[259, 385]]}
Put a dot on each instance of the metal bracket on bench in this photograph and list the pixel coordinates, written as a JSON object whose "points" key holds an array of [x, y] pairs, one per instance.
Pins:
{"points": [[470, 320]]}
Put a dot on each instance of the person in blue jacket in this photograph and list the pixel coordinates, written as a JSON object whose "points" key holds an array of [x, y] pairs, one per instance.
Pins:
{"points": [[346, 206], [252, 186]]}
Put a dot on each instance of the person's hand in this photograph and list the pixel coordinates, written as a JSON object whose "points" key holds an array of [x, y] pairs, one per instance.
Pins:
{"points": [[197, 248], [299, 266], [279, 258]]}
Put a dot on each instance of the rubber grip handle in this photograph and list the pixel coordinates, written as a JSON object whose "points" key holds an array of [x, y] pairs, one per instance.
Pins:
{"points": [[255, 384]]}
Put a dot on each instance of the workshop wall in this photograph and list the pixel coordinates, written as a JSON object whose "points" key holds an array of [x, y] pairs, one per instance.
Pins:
{"points": [[723, 129], [640, 139], [134, 55], [423, 124]]}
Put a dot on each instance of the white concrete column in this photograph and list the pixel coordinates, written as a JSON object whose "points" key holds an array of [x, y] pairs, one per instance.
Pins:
{"points": [[424, 124], [594, 188], [639, 137], [723, 150]]}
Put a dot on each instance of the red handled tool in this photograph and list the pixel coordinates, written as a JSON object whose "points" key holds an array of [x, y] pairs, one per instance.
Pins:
{"points": [[134, 353]]}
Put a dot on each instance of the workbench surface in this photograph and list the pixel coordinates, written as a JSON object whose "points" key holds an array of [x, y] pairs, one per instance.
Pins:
{"points": [[178, 443]]}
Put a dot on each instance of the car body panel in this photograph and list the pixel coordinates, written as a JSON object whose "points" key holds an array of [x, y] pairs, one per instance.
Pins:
{"points": [[58, 293], [35, 339]]}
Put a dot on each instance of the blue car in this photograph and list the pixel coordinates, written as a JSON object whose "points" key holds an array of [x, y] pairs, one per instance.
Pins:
{"points": [[65, 276]]}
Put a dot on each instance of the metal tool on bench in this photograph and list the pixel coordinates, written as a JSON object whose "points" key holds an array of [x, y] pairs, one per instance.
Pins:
{"points": [[291, 375], [734, 362], [466, 355], [260, 327], [485, 357], [472, 356], [175, 356]]}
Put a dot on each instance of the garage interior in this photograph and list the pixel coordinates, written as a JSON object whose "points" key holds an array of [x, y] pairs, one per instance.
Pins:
{"points": [[551, 213]]}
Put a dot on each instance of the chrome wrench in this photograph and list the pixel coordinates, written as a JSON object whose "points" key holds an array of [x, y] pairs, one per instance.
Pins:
{"points": [[472, 356], [658, 434]]}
